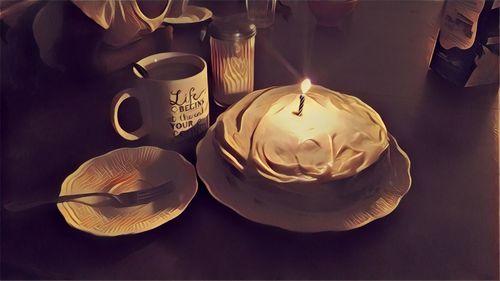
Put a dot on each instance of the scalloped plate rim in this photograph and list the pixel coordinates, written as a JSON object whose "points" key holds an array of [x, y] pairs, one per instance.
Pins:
{"points": [[262, 220], [207, 14], [67, 217]]}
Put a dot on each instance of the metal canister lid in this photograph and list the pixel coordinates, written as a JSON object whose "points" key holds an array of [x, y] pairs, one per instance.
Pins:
{"points": [[231, 28]]}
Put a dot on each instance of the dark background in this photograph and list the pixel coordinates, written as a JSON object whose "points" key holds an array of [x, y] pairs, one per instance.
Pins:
{"points": [[446, 227]]}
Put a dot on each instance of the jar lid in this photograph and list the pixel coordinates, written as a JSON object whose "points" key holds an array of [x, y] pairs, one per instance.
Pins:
{"points": [[231, 28]]}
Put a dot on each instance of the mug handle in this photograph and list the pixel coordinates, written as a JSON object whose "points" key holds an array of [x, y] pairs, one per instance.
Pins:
{"points": [[115, 105]]}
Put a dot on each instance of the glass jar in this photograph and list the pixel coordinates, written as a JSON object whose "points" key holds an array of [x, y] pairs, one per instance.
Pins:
{"points": [[232, 44]]}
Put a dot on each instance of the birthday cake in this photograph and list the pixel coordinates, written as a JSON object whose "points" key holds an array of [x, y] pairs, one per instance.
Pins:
{"points": [[335, 137], [306, 161]]}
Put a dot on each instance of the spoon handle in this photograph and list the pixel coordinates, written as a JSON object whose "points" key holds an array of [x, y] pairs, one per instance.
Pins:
{"points": [[142, 71]]}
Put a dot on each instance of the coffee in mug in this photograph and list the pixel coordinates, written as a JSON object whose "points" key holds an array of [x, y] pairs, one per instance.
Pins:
{"points": [[172, 71]]}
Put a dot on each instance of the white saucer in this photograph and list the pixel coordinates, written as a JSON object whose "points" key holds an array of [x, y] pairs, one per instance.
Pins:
{"points": [[192, 14], [350, 204], [122, 170]]}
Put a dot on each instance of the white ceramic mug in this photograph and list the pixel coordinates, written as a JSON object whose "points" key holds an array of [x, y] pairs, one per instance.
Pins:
{"points": [[173, 100]]}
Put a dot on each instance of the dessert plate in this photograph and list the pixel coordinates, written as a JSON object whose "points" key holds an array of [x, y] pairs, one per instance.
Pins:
{"points": [[123, 170], [340, 205], [192, 14]]}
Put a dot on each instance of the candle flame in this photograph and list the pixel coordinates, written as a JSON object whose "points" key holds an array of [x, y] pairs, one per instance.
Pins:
{"points": [[305, 86]]}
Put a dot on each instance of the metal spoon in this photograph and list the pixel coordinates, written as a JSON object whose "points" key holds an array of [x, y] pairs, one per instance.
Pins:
{"points": [[142, 71]]}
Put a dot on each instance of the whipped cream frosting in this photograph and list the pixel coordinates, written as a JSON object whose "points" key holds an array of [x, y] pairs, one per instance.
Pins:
{"points": [[337, 135]]}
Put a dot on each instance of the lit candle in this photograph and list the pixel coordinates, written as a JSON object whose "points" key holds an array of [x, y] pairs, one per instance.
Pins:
{"points": [[304, 87]]}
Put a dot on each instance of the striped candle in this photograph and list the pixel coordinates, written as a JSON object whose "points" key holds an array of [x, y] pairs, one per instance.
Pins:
{"points": [[304, 87], [301, 104]]}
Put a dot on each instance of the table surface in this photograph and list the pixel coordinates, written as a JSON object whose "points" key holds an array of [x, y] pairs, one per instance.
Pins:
{"points": [[446, 227]]}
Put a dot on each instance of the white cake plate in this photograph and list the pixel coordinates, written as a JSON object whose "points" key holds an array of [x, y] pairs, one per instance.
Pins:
{"points": [[348, 203]]}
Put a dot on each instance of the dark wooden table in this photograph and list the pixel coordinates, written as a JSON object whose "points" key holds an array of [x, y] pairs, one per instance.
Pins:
{"points": [[446, 227]]}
